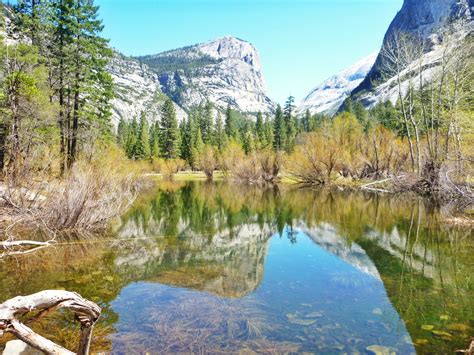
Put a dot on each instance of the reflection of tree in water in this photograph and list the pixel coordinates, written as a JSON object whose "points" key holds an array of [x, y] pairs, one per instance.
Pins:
{"points": [[427, 271]]}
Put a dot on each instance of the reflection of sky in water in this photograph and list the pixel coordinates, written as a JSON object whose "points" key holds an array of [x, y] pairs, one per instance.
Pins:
{"points": [[308, 298]]}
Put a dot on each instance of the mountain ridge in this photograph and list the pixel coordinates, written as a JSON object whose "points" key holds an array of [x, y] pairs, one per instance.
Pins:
{"points": [[429, 21], [426, 20], [329, 96], [225, 71]]}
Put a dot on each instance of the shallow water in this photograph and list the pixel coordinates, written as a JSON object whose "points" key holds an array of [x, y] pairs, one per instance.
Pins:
{"points": [[216, 268]]}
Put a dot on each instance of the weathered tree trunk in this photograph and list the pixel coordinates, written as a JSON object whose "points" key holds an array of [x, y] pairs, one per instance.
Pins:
{"points": [[405, 121], [61, 119], [87, 313], [3, 134], [75, 124]]}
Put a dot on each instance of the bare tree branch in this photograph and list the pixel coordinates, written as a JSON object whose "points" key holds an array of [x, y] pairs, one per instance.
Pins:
{"points": [[87, 313]]}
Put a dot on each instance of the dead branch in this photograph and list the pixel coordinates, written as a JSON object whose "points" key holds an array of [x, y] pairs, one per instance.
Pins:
{"points": [[469, 351], [21, 247], [370, 188], [86, 312]]}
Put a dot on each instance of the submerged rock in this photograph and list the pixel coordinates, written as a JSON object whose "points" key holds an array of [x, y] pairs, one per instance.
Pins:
{"points": [[314, 315], [377, 311], [380, 350], [292, 318]]}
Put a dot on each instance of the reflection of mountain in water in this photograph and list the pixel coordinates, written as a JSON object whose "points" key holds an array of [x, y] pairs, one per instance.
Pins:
{"points": [[229, 263], [327, 238], [422, 259]]}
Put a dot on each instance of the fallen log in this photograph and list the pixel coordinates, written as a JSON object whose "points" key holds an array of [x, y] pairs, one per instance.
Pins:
{"points": [[370, 188], [86, 312], [21, 247]]}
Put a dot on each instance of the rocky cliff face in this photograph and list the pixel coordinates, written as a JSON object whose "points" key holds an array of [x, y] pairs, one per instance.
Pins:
{"points": [[226, 71], [328, 96], [137, 90], [427, 20]]}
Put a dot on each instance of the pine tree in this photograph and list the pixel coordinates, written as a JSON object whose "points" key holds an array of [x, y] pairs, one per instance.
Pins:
{"points": [[198, 145], [169, 131], [32, 19], [132, 139], [142, 145], [290, 124], [155, 140], [307, 121], [248, 142], [289, 107], [122, 132], [348, 105], [198, 142], [279, 139], [361, 113], [186, 147], [315, 122], [269, 132], [220, 138], [230, 124], [79, 56], [206, 121], [260, 130]]}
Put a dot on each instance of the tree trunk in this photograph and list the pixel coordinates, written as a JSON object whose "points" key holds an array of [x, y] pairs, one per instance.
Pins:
{"points": [[62, 149], [405, 120], [417, 134], [75, 125], [3, 134]]}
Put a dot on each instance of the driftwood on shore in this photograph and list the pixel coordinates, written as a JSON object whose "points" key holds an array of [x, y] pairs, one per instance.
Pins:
{"points": [[370, 186], [42, 303]]}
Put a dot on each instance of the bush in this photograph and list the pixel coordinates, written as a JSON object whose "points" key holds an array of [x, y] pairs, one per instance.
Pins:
{"points": [[383, 154], [207, 160], [92, 193], [88, 198], [259, 167], [316, 161], [342, 148], [168, 167]]}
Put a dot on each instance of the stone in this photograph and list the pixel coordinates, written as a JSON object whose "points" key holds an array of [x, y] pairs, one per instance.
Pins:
{"points": [[377, 311], [314, 315], [380, 350], [300, 321]]}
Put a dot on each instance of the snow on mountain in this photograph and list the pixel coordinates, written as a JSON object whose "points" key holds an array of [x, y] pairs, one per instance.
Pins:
{"points": [[329, 96], [226, 71]]}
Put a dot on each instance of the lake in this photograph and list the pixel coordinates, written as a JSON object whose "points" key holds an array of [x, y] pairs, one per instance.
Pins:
{"points": [[221, 268]]}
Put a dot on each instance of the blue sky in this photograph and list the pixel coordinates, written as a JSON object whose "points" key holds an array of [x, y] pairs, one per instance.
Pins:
{"points": [[301, 42]]}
